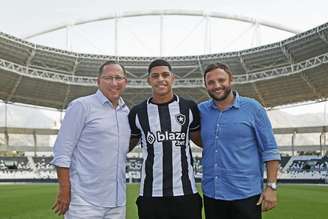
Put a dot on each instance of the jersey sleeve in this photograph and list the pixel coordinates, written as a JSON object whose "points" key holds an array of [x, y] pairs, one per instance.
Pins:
{"points": [[195, 124], [135, 131]]}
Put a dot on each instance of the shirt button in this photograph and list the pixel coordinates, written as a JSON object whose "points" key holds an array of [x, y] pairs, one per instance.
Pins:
{"points": [[216, 151], [216, 137]]}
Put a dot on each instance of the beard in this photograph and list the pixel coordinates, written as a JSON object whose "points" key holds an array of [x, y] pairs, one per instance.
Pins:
{"points": [[227, 91]]}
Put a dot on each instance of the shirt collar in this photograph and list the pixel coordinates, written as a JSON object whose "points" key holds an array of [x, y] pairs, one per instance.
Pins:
{"points": [[235, 104], [103, 99], [175, 98]]}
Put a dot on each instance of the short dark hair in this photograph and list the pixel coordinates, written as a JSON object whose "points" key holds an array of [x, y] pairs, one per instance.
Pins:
{"points": [[216, 65], [110, 62], [158, 62]]}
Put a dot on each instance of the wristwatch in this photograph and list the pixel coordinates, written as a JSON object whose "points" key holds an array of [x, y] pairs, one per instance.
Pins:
{"points": [[272, 185]]}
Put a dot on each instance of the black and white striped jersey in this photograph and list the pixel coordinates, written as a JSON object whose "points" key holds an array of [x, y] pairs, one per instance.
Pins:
{"points": [[167, 160]]}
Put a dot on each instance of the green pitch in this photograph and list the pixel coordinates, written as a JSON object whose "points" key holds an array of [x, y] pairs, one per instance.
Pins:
{"points": [[33, 201]]}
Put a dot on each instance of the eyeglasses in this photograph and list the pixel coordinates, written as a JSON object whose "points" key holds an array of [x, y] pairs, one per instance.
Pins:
{"points": [[112, 78]]}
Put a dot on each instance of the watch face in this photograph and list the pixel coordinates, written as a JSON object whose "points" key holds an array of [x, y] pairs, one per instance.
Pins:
{"points": [[273, 186]]}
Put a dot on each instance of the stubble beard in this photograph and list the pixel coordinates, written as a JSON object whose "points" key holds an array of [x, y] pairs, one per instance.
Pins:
{"points": [[227, 91]]}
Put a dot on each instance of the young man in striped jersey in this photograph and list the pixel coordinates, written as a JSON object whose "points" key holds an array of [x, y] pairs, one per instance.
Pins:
{"points": [[165, 123]]}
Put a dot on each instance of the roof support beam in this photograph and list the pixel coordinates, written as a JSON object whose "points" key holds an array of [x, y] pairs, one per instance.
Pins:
{"points": [[68, 90], [13, 91], [287, 53], [243, 64], [302, 36], [29, 60], [131, 74], [309, 84], [190, 72], [200, 65], [322, 36], [170, 12], [259, 95], [76, 64], [182, 82]]}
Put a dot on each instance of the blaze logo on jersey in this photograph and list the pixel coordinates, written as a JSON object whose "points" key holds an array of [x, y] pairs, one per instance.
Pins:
{"points": [[181, 119], [178, 137], [150, 138]]}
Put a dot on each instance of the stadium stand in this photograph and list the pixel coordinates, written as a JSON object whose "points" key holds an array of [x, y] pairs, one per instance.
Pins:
{"points": [[14, 163], [305, 169], [43, 163], [284, 161], [308, 164], [27, 168]]}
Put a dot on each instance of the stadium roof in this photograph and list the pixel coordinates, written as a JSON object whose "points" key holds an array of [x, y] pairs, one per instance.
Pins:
{"points": [[290, 71]]}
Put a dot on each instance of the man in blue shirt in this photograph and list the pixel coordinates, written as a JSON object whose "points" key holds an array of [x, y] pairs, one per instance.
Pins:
{"points": [[237, 140], [90, 151]]}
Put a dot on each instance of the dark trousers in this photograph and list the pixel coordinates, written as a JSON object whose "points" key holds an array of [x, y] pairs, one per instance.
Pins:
{"points": [[177, 207], [236, 209]]}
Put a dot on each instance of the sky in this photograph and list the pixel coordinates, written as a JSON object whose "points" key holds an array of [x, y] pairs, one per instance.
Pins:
{"points": [[24, 16], [182, 36], [140, 36]]}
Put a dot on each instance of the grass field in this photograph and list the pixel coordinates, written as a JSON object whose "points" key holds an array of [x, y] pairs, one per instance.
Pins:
{"points": [[33, 201]]}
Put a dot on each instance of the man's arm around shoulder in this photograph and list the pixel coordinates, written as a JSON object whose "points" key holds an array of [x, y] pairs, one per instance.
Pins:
{"points": [[134, 141], [196, 138]]}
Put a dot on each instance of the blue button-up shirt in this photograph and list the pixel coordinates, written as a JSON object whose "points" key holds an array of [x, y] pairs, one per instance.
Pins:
{"points": [[93, 142], [236, 143]]}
